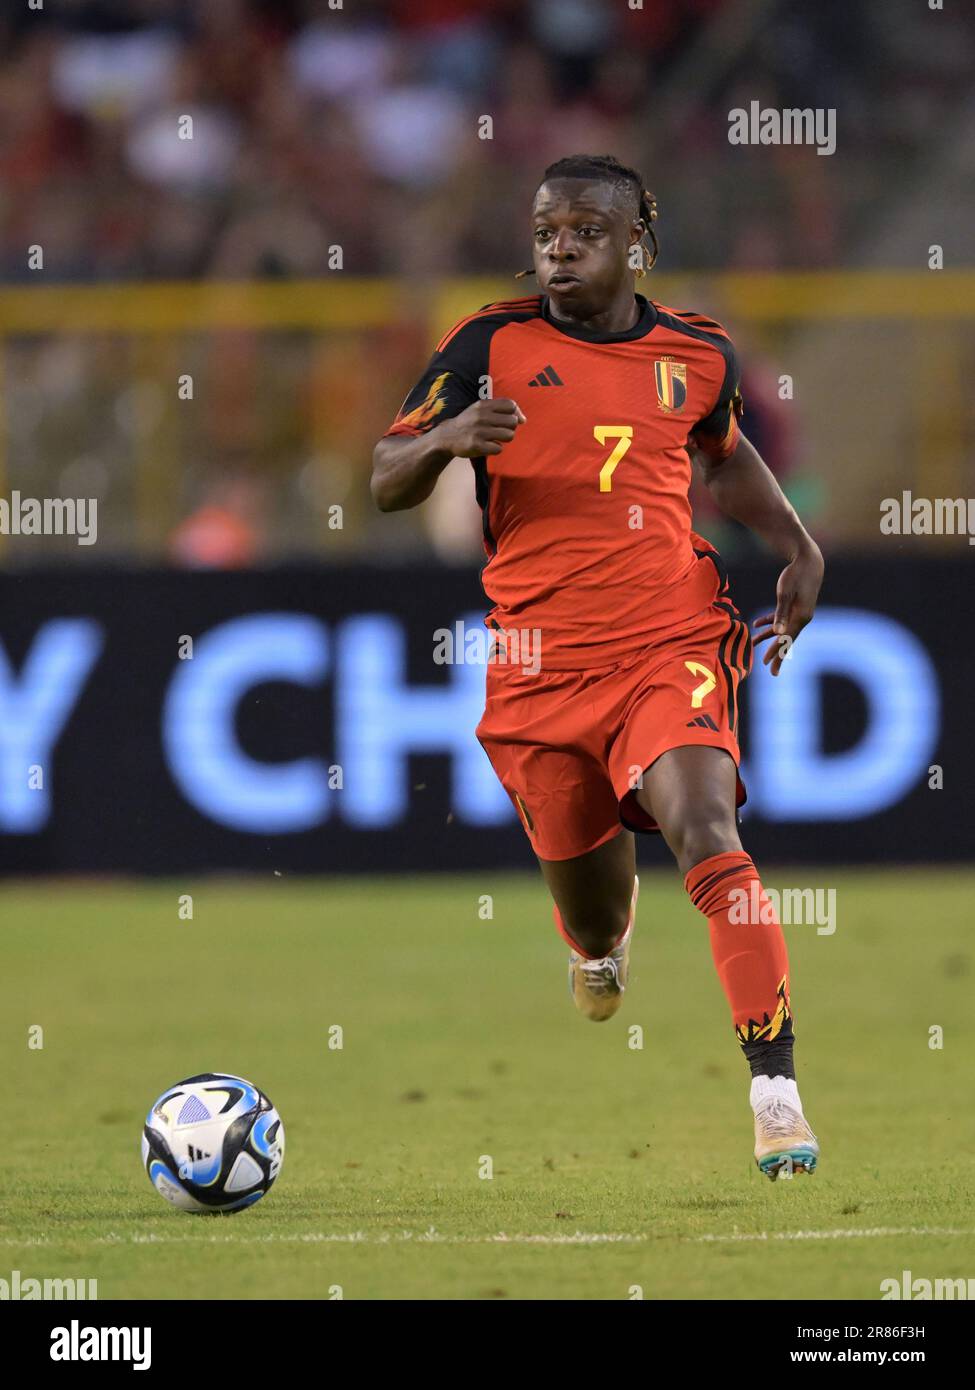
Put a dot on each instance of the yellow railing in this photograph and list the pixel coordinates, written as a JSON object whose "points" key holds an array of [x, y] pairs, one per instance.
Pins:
{"points": [[878, 362], [340, 302]]}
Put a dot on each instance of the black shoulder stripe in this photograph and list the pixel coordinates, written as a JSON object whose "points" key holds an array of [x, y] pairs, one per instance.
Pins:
{"points": [[531, 301], [701, 320], [693, 330], [466, 348], [494, 315]]}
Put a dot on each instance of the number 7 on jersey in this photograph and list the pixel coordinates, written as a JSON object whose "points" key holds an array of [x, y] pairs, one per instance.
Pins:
{"points": [[623, 434]]}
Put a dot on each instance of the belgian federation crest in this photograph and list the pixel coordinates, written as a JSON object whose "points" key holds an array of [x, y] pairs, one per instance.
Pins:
{"points": [[671, 383]]}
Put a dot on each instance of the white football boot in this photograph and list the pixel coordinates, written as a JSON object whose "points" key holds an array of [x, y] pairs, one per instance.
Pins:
{"points": [[784, 1143], [597, 986]]}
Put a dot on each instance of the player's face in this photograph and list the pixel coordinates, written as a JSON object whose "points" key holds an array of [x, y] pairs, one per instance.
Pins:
{"points": [[581, 238]]}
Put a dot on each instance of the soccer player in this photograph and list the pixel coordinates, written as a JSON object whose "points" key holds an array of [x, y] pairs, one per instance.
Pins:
{"points": [[581, 409]]}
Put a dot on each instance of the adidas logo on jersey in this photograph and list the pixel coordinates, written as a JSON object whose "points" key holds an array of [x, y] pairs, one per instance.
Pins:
{"points": [[548, 376], [703, 721]]}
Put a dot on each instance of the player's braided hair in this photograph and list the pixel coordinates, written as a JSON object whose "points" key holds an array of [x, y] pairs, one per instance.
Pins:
{"points": [[606, 168]]}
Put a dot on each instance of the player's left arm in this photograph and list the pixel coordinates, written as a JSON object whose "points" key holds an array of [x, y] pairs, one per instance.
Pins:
{"points": [[744, 488]]}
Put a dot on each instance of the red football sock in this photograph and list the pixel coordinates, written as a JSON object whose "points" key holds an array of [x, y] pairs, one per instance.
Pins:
{"points": [[747, 944]]}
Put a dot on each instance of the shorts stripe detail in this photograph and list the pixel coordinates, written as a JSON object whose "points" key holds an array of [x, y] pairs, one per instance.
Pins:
{"points": [[738, 647], [729, 680], [719, 565], [735, 644], [740, 667]]}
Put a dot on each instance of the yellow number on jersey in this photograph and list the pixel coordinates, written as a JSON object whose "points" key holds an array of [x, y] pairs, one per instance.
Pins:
{"points": [[623, 434], [706, 686]]}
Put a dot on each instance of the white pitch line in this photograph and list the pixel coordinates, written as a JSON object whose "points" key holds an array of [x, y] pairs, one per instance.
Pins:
{"points": [[430, 1237], [434, 1237], [851, 1233]]}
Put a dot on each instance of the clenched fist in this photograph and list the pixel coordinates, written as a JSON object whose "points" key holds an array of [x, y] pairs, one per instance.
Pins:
{"points": [[483, 428]]}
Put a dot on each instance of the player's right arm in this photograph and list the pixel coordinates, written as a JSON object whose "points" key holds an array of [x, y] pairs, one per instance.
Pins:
{"points": [[448, 414], [407, 464]]}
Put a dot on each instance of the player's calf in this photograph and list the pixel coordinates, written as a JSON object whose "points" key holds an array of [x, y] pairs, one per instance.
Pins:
{"points": [[592, 892], [594, 934], [597, 983]]}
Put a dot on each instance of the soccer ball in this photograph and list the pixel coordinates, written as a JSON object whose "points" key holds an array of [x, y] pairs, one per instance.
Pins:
{"points": [[212, 1143]]}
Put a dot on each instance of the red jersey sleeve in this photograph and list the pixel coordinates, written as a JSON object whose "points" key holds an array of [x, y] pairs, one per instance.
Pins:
{"points": [[717, 433]]}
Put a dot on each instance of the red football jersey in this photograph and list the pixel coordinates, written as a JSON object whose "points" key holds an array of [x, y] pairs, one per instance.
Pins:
{"points": [[586, 518]]}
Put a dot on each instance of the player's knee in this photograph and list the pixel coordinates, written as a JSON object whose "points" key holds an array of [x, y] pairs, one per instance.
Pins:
{"points": [[701, 833]]}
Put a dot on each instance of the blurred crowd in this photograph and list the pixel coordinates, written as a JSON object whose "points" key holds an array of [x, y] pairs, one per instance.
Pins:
{"points": [[356, 124]]}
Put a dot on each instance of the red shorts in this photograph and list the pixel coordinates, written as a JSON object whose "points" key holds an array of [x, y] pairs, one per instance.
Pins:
{"points": [[569, 747]]}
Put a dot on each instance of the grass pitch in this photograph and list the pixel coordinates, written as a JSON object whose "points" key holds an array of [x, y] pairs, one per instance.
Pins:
{"points": [[615, 1168]]}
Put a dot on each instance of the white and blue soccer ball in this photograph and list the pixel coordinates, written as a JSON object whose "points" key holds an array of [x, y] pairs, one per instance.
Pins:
{"points": [[213, 1143]]}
